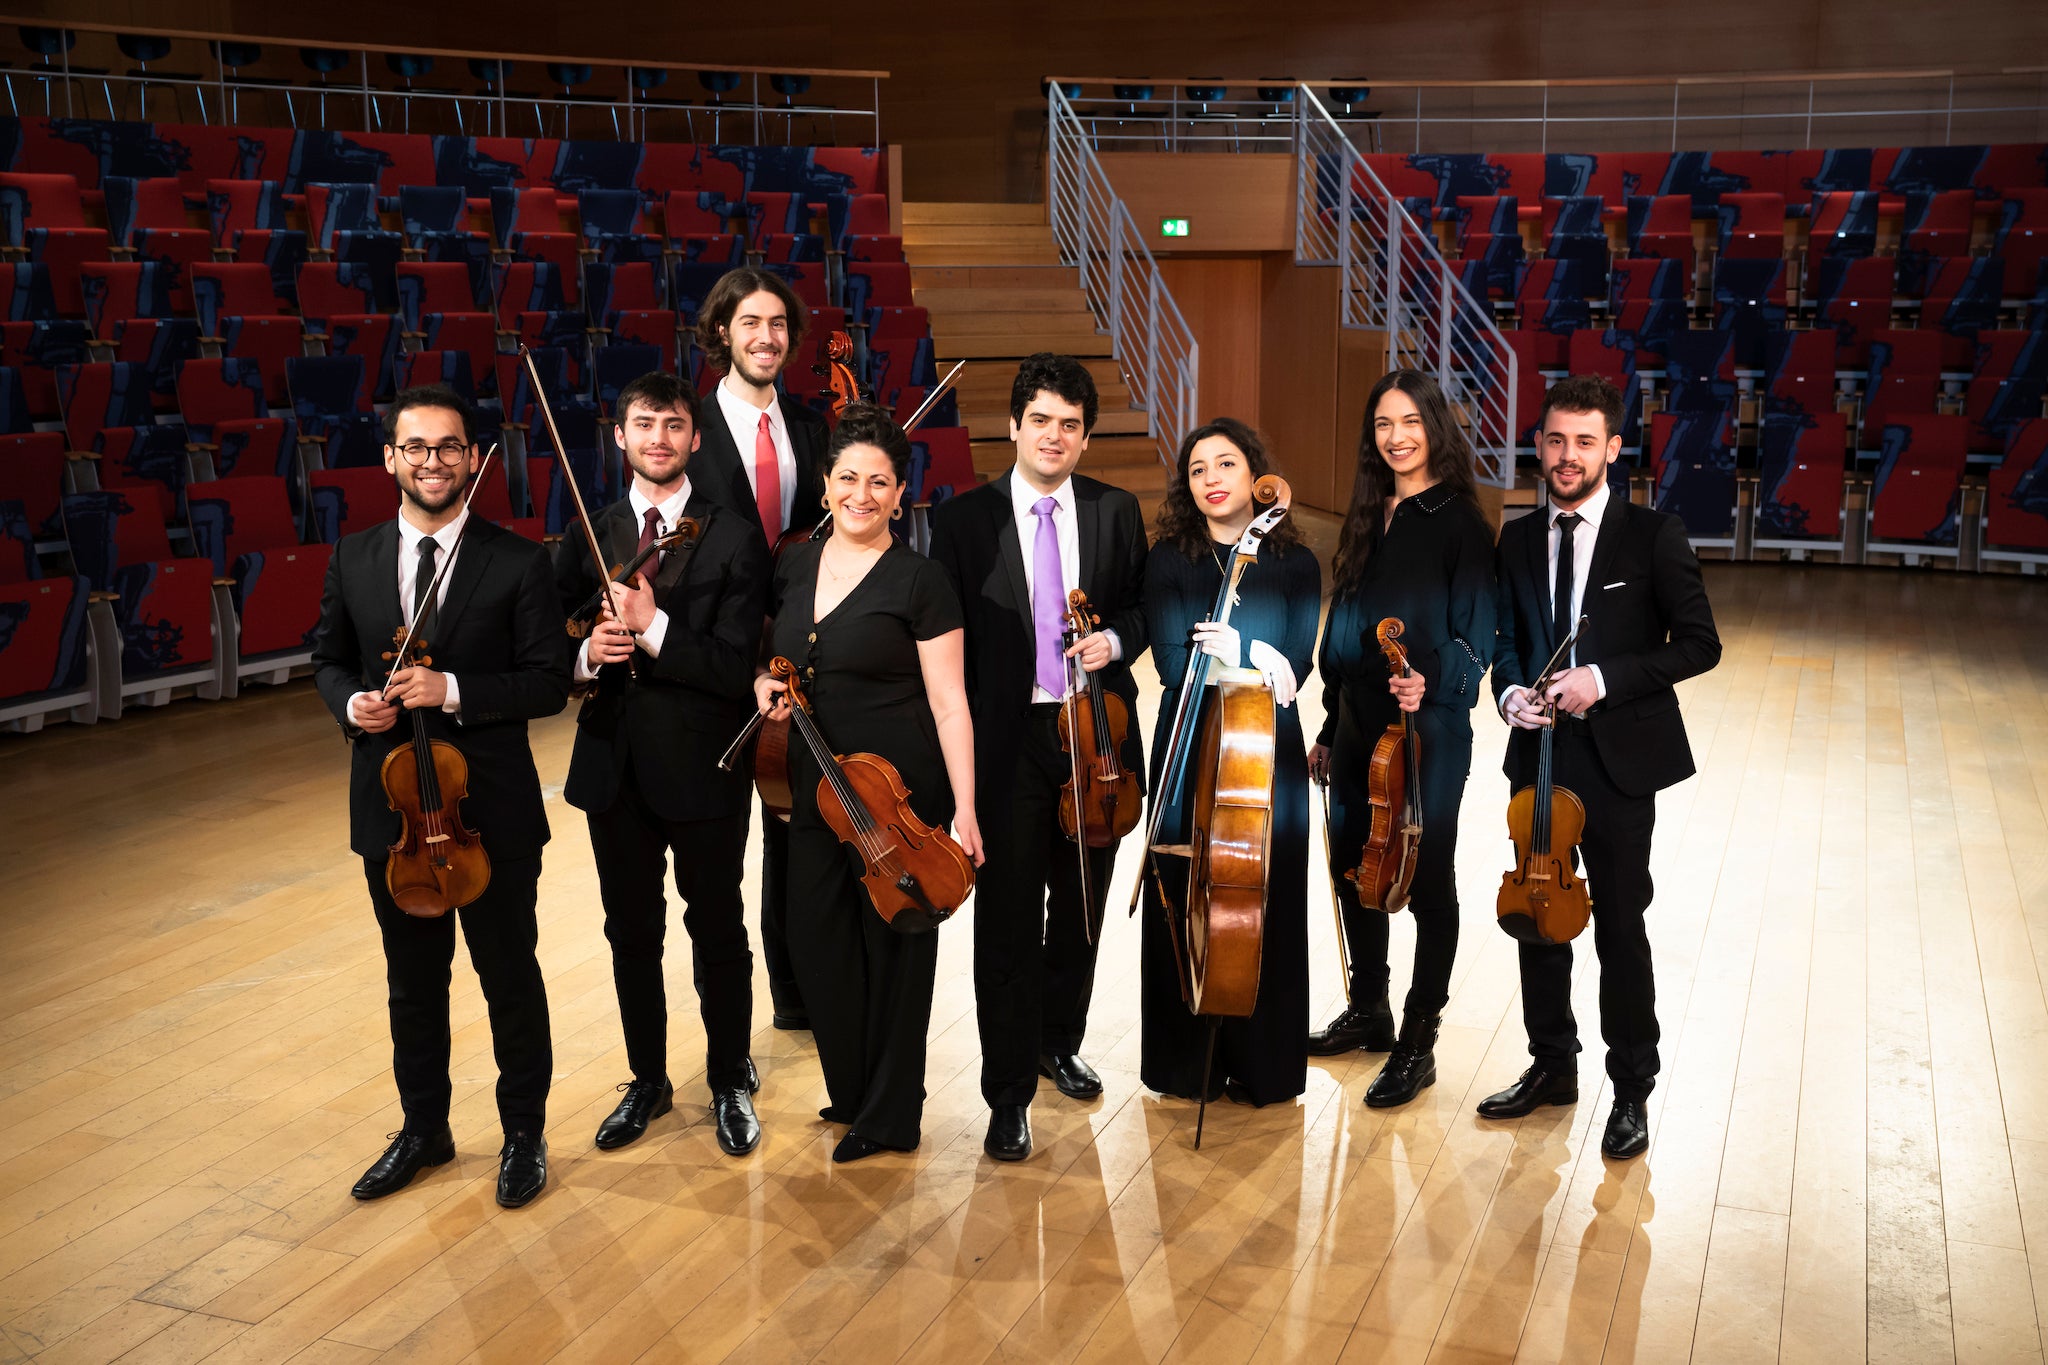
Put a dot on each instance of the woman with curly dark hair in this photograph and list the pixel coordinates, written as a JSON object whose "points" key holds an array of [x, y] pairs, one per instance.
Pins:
{"points": [[1414, 546], [1272, 628]]}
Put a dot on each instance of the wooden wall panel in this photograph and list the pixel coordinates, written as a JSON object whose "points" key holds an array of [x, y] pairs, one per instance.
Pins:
{"points": [[1219, 297], [1298, 380], [965, 97], [1231, 202]]}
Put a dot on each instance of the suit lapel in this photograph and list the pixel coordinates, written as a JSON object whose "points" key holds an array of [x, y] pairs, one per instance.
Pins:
{"points": [[1011, 547], [1088, 531], [1613, 526], [471, 563], [723, 476], [699, 509], [1539, 574], [391, 614]]}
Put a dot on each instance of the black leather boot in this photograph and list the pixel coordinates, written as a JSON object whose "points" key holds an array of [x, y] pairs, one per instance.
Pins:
{"points": [[1411, 1066], [1370, 1028]]}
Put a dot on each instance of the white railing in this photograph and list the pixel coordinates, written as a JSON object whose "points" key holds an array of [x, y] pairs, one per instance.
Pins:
{"points": [[1096, 234], [1396, 281]]}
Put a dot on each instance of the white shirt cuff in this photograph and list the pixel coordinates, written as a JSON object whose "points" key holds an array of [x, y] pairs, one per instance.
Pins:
{"points": [[1507, 695], [1598, 681], [656, 632], [352, 717], [584, 672], [1116, 646], [453, 704]]}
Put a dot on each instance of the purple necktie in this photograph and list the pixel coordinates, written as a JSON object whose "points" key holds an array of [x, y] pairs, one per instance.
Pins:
{"points": [[1048, 600]]}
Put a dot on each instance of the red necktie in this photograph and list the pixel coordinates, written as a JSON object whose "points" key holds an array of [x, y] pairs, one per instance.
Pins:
{"points": [[767, 481], [650, 529]]}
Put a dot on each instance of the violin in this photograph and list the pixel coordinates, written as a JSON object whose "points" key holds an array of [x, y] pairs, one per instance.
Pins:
{"points": [[1387, 868], [915, 874], [1218, 929], [1100, 802], [1542, 898], [682, 537], [437, 863]]}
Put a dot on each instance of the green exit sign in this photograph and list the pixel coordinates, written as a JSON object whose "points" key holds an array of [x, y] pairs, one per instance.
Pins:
{"points": [[1173, 227]]}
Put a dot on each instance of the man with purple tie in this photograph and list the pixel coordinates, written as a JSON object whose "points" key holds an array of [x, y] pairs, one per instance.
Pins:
{"points": [[1015, 547]]}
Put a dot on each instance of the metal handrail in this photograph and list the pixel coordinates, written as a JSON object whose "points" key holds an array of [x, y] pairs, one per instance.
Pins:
{"points": [[1096, 234], [1393, 279]]}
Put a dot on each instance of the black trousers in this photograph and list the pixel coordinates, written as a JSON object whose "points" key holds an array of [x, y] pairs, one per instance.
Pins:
{"points": [[783, 994], [1616, 855], [501, 932], [1034, 968], [869, 989], [1444, 735], [632, 845]]}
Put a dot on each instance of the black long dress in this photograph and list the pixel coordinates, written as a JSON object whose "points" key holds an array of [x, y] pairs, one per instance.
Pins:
{"points": [[1279, 601], [1432, 568], [868, 988]]}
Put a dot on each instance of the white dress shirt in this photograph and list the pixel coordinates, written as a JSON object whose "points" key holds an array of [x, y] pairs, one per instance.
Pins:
{"points": [[743, 419], [409, 538], [1066, 526], [1588, 531], [671, 510]]}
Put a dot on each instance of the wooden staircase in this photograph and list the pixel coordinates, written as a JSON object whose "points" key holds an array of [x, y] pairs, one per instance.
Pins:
{"points": [[989, 275]]}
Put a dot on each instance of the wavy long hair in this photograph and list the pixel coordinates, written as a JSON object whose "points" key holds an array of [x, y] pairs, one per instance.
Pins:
{"points": [[1181, 523], [1450, 463]]}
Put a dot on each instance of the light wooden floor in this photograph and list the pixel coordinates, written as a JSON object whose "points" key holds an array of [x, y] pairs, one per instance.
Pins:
{"points": [[1850, 1155]]}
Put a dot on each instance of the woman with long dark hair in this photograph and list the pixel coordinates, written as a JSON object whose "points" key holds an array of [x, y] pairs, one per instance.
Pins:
{"points": [[1416, 546], [1272, 628]]}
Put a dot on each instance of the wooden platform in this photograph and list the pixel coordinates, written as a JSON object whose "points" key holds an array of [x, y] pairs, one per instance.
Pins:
{"points": [[1850, 1155]]}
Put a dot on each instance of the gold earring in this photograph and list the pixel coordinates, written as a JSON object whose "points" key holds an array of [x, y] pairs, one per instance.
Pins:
{"points": [[897, 515], [825, 502]]}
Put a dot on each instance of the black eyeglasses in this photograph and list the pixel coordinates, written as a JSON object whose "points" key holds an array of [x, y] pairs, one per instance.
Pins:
{"points": [[416, 453]]}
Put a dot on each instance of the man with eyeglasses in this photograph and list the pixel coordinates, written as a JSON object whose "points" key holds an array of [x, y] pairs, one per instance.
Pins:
{"points": [[493, 632]]}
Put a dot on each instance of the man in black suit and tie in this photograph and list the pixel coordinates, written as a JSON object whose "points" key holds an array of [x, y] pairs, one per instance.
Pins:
{"points": [[1015, 547], [1619, 739], [672, 678], [495, 637], [763, 456]]}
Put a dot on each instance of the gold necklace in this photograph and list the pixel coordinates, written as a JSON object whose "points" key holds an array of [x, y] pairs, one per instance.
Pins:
{"points": [[825, 563]]}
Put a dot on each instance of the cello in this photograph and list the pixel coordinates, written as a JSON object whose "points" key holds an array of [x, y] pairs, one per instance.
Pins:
{"points": [[1100, 802], [1386, 869], [1218, 929], [916, 875], [437, 863], [1542, 897]]}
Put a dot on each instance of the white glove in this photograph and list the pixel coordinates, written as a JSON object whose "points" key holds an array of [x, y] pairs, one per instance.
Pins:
{"points": [[1219, 642], [1273, 666]]}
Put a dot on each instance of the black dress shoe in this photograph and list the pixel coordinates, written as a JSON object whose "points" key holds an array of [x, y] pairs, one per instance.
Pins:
{"points": [[1628, 1130], [753, 1078], [1370, 1029], [1075, 1078], [1534, 1087], [645, 1101], [406, 1157], [522, 1169], [1411, 1066], [732, 1115], [791, 1022], [854, 1147], [1009, 1132]]}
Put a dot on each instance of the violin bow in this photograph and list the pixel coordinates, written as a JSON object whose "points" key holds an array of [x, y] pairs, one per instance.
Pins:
{"points": [[419, 614], [1336, 892], [540, 400], [1563, 651], [934, 396]]}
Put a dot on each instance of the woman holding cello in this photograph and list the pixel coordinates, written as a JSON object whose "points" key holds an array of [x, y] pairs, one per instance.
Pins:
{"points": [[873, 629], [1415, 548], [1272, 628]]}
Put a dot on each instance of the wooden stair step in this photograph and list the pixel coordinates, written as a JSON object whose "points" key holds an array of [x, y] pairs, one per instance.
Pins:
{"points": [[951, 346], [972, 276], [922, 212], [1061, 302], [991, 421], [992, 234], [971, 254]]}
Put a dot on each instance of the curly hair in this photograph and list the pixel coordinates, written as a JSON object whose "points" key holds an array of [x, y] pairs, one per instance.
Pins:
{"points": [[1450, 464], [864, 424], [1060, 375], [1181, 523], [1586, 393], [724, 299]]}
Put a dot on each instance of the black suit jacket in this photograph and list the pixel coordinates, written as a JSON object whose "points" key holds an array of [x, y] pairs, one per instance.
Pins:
{"points": [[975, 539], [673, 721], [499, 632], [1648, 627], [718, 471]]}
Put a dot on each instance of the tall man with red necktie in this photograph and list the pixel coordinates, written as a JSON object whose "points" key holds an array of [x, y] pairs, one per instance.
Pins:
{"points": [[763, 457], [1014, 548]]}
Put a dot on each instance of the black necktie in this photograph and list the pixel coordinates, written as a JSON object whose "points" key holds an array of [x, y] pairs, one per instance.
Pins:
{"points": [[423, 580], [1561, 597]]}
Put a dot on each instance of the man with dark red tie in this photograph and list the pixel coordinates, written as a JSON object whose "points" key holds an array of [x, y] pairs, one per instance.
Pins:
{"points": [[668, 670], [763, 457], [1015, 547]]}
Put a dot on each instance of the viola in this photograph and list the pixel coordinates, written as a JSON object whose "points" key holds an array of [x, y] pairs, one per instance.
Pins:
{"points": [[1100, 802], [1218, 926], [916, 875], [1386, 869], [437, 863], [1542, 898]]}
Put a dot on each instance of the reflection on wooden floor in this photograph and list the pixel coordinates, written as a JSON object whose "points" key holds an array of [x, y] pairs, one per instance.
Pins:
{"points": [[1850, 1144]]}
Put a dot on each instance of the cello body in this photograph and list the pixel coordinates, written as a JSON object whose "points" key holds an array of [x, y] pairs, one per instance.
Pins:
{"points": [[1230, 849]]}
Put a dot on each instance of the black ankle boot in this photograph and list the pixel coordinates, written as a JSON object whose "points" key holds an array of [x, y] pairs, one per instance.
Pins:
{"points": [[1411, 1066], [1370, 1028]]}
